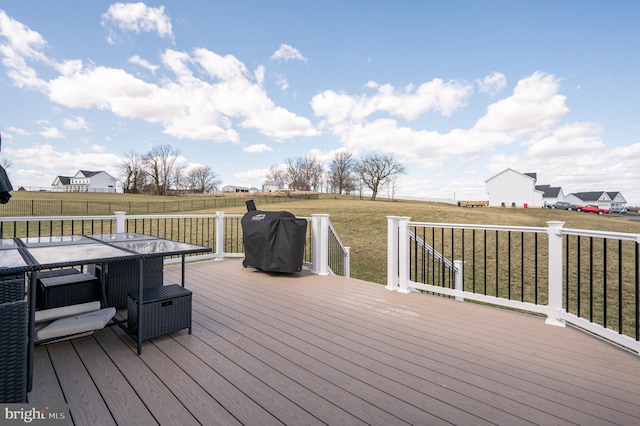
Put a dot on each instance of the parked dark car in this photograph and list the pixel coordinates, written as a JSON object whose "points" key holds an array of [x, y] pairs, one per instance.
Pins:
{"points": [[562, 205]]}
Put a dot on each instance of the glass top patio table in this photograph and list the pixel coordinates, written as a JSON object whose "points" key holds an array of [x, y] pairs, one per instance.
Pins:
{"points": [[37, 253], [52, 252], [153, 246], [12, 257]]}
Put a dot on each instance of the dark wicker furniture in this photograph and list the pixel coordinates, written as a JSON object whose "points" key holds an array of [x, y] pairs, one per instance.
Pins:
{"points": [[13, 341], [165, 310], [124, 276], [64, 290]]}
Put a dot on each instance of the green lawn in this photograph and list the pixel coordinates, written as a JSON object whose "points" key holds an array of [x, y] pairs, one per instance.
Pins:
{"points": [[362, 224]]}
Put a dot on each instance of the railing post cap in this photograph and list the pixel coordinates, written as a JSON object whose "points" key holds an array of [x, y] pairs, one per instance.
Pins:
{"points": [[555, 223]]}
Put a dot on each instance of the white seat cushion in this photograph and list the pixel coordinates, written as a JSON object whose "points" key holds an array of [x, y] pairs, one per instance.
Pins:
{"points": [[76, 324], [66, 311]]}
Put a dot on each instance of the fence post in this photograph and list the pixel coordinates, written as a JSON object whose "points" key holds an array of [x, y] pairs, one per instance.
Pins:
{"points": [[403, 255], [120, 221], [347, 262], [219, 236], [320, 244], [457, 271], [555, 311], [392, 252]]}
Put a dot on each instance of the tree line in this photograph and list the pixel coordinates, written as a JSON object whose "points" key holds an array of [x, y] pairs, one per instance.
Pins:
{"points": [[156, 172], [346, 173]]}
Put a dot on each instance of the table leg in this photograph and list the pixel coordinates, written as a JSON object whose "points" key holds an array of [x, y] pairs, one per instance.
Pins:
{"points": [[140, 304], [32, 329]]}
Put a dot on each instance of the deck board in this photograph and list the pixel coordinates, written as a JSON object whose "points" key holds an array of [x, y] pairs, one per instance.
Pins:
{"points": [[299, 349]]}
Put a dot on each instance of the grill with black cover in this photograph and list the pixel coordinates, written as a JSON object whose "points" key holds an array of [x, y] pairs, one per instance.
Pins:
{"points": [[273, 241]]}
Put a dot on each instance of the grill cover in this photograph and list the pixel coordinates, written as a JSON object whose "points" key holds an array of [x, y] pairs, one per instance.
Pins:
{"points": [[273, 241]]}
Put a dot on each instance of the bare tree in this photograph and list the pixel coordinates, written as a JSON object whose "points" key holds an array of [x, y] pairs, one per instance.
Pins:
{"points": [[179, 178], [294, 173], [202, 179], [315, 171], [160, 163], [278, 176], [304, 173], [376, 169], [133, 174], [341, 172]]}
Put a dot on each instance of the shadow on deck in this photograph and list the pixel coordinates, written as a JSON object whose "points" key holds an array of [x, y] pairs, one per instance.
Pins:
{"points": [[299, 349]]}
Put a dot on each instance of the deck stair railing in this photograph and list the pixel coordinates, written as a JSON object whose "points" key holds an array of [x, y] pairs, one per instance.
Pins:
{"points": [[324, 252], [590, 279], [428, 264]]}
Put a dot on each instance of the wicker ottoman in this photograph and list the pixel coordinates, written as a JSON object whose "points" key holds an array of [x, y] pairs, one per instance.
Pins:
{"points": [[165, 310], [63, 290]]}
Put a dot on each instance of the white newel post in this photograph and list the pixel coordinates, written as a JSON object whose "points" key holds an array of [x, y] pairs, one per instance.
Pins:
{"points": [[555, 310], [347, 262], [219, 236], [120, 220], [392, 252], [457, 271], [320, 243], [403, 255]]}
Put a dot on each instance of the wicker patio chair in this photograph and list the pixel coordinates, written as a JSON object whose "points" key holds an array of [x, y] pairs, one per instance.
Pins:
{"points": [[13, 341]]}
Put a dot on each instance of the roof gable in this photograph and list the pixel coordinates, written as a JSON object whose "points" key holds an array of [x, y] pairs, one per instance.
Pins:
{"points": [[510, 170], [549, 191], [592, 196]]}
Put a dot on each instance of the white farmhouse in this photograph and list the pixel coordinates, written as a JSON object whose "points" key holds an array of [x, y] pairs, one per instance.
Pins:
{"points": [[85, 181], [510, 188]]}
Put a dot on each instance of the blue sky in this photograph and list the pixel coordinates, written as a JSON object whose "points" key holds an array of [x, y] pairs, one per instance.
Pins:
{"points": [[457, 90]]}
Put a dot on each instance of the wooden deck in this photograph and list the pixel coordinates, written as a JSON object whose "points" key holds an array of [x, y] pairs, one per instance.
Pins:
{"points": [[299, 349]]}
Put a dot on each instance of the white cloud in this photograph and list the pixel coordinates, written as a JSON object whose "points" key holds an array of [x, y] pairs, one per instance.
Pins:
{"points": [[52, 133], [433, 96], [286, 52], [535, 105], [532, 111], [77, 123], [493, 83], [567, 140], [52, 161], [138, 17], [19, 44], [207, 105], [18, 131], [257, 148], [247, 177], [282, 82], [137, 60]]}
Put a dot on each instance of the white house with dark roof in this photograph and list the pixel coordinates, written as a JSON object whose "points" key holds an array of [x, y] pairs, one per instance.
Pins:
{"points": [[617, 200], [85, 181], [551, 194], [596, 198], [510, 188]]}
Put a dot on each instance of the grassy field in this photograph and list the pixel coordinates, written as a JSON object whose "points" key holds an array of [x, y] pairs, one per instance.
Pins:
{"points": [[362, 224]]}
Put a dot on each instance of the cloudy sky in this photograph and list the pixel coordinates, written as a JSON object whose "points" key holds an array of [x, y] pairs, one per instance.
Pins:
{"points": [[457, 90]]}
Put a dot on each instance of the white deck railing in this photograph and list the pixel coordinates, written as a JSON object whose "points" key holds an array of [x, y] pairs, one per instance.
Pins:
{"points": [[557, 254], [220, 231]]}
